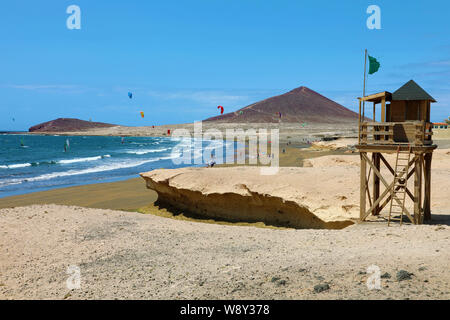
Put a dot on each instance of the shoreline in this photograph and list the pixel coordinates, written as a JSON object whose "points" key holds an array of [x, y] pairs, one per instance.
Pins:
{"points": [[294, 156], [159, 253], [126, 195], [295, 146], [132, 195]]}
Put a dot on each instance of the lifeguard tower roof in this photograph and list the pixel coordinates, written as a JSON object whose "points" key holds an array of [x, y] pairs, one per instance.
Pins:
{"points": [[411, 91]]}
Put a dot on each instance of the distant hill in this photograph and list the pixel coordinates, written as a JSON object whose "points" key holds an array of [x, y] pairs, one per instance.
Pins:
{"points": [[67, 125], [299, 105]]}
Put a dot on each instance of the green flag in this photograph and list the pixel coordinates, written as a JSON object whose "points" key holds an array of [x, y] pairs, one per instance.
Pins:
{"points": [[374, 65]]}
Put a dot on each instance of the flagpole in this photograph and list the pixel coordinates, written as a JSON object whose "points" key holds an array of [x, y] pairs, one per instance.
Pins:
{"points": [[364, 86]]}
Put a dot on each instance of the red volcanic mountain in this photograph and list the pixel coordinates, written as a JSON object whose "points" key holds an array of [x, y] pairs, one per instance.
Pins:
{"points": [[67, 125], [299, 105]]}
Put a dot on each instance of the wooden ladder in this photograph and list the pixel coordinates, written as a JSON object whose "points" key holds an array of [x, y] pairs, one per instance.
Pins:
{"points": [[398, 192]]}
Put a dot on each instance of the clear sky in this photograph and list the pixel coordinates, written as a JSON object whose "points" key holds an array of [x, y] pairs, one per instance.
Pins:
{"points": [[183, 58]]}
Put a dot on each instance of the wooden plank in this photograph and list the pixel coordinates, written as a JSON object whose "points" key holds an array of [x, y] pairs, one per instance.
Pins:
{"points": [[374, 112], [385, 192], [367, 187], [368, 195], [382, 133], [362, 186], [417, 185], [411, 196], [375, 170], [376, 97], [427, 200], [359, 123], [375, 142], [388, 188], [386, 148], [381, 124], [376, 182], [386, 164]]}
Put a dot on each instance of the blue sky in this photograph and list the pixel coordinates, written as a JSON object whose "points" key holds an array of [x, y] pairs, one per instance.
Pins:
{"points": [[183, 58]]}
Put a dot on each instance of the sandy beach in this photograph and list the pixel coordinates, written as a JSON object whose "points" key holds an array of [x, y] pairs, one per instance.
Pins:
{"points": [[122, 195], [128, 246], [219, 150], [125, 255], [131, 194], [166, 255]]}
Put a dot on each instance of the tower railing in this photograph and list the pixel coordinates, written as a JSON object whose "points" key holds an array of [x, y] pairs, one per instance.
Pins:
{"points": [[417, 133]]}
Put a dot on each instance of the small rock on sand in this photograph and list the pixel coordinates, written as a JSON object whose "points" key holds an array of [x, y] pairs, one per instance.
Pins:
{"points": [[403, 275], [321, 287]]}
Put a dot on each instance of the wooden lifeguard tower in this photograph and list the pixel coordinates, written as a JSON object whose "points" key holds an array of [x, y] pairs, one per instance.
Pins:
{"points": [[404, 130]]}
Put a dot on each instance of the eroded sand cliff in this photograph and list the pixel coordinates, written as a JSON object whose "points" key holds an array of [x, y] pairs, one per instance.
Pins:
{"points": [[322, 194]]}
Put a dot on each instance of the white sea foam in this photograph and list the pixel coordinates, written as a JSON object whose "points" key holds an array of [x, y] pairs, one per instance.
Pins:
{"points": [[59, 174], [75, 160], [15, 166], [140, 152]]}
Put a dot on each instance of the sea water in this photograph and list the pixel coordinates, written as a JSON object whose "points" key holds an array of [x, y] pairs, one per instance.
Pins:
{"points": [[31, 163]]}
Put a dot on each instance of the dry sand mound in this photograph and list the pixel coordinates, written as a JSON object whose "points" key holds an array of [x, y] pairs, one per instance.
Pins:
{"points": [[295, 197], [323, 194]]}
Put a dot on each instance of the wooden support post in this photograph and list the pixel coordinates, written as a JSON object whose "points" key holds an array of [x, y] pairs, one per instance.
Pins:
{"points": [[376, 182], [421, 161], [388, 189], [427, 199], [383, 110], [417, 187], [383, 117], [362, 186], [359, 123], [374, 112]]}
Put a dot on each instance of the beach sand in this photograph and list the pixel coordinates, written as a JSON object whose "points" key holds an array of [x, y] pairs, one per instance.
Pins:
{"points": [[127, 255], [130, 255], [130, 194]]}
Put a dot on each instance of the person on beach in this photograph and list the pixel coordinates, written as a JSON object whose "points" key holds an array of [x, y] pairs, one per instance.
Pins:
{"points": [[211, 162]]}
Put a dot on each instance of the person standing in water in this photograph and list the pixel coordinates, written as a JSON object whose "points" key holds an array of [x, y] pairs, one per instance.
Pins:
{"points": [[66, 145]]}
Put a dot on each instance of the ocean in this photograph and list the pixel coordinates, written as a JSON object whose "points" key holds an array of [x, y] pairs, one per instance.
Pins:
{"points": [[30, 163]]}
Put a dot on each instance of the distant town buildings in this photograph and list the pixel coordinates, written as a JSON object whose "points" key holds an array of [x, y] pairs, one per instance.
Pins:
{"points": [[440, 125]]}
